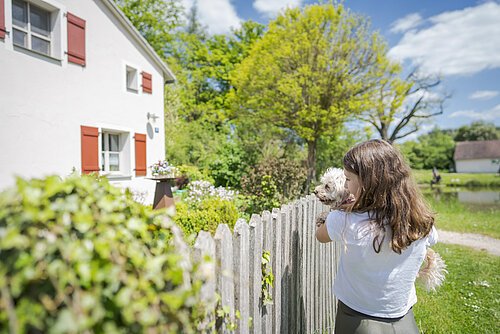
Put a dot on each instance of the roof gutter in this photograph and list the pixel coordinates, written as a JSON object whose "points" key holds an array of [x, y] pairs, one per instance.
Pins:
{"points": [[169, 76]]}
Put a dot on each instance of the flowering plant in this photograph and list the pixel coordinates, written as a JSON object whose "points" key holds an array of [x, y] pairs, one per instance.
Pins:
{"points": [[200, 190], [162, 168]]}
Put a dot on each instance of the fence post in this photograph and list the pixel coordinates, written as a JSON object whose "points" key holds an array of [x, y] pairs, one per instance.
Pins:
{"points": [[255, 273], [241, 275], [303, 267], [204, 254], [267, 231], [286, 260], [277, 269], [225, 279], [296, 250]]}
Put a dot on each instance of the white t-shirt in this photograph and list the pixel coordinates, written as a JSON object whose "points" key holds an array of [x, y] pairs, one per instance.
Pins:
{"points": [[377, 284]]}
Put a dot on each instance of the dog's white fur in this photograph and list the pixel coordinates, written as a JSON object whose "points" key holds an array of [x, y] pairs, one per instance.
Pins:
{"points": [[332, 192]]}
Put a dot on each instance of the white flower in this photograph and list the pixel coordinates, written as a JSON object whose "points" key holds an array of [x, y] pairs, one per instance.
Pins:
{"points": [[200, 190]]}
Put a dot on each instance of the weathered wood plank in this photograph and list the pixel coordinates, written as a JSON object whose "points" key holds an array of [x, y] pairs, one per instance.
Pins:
{"points": [[296, 250], [241, 275], [268, 234], [204, 254], [256, 243], [277, 245], [225, 278], [286, 288]]}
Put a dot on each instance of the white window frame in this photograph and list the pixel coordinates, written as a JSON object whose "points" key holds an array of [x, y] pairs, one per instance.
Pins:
{"points": [[29, 31], [132, 84], [123, 152]]}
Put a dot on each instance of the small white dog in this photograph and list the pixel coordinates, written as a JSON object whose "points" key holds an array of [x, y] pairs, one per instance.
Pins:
{"points": [[332, 192]]}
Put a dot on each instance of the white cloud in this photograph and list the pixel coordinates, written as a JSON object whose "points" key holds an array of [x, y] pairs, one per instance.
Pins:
{"points": [[460, 42], [483, 95], [219, 16], [271, 8], [406, 23], [488, 115]]}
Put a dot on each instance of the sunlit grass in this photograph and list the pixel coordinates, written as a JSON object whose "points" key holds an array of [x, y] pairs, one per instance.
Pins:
{"points": [[468, 302], [451, 215], [424, 177]]}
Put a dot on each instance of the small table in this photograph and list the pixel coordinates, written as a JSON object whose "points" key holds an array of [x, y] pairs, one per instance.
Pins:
{"points": [[163, 192]]}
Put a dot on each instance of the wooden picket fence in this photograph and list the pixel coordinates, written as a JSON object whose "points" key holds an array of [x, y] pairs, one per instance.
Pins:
{"points": [[303, 272]]}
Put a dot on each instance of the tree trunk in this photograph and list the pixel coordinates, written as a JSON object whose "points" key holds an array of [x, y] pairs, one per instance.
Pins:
{"points": [[311, 164]]}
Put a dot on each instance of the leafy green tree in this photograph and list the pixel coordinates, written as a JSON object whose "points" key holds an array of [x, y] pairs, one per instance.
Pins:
{"points": [[155, 20], [311, 70], [434, 149], [477, 131]]}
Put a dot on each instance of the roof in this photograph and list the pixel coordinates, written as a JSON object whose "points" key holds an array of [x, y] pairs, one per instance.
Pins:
{"points": [[485, 149], [169, 76]]}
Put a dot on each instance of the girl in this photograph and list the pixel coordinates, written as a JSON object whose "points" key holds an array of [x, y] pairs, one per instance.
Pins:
{"points": [[385, 232]]}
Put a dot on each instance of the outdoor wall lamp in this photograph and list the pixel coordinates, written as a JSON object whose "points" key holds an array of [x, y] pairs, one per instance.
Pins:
{"points": [[153, 116]]}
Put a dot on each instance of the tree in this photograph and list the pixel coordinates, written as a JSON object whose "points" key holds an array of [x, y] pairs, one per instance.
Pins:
{"points": [[434, 149], [197, 116], [401, 106], [309, 72], [477, 131], [155, 20]]}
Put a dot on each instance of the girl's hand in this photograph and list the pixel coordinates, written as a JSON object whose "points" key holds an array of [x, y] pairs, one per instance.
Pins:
{"points": [[321, 219]]}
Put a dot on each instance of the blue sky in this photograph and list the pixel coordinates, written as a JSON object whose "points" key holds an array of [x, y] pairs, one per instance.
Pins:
{"points": [[457, 38]]}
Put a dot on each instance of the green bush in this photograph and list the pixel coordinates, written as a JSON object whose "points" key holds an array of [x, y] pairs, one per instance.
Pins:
{"points": [[192, 173], [206, 216], [272, 182], [78, 255]]}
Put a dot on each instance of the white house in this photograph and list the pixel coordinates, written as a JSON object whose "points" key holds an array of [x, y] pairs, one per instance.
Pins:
{"points": [[80, 89], [477, 156]]}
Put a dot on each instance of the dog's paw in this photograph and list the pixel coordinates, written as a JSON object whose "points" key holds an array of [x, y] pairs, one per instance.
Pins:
{"points": [[321, 219]]}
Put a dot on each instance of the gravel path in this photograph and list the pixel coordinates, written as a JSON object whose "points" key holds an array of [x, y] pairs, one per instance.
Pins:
{"points": [[477, 241]]}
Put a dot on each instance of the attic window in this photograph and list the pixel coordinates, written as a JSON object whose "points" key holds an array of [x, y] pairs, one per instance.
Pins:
{"points": [[132, 80]]}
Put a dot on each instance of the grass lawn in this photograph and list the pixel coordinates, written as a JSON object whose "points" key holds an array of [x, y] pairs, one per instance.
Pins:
{"points": [[468, 302], [459, 179], [455, 216]]}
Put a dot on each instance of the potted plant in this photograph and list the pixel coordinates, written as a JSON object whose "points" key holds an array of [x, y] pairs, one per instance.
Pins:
{"points": [[162, 170]]}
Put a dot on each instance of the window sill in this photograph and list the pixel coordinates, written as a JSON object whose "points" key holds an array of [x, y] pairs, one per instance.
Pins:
{"points": [[37, 54], [117, 177]]}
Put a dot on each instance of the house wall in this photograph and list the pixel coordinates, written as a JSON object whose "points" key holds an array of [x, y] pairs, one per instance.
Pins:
{"points": [[476, 166], [44, 100]]}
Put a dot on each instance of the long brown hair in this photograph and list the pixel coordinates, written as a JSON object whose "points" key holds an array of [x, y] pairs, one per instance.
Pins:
{"points": [[389, 192]]}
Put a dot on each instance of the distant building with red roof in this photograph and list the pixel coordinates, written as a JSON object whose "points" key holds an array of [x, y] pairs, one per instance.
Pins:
{"points": [[477, 156]]}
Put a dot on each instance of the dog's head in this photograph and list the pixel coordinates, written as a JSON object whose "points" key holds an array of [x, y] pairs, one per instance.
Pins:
{"points": [[331, 191]]}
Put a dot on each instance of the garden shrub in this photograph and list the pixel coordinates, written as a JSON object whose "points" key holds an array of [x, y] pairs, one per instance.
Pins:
{"points": [[205, 207], [79, 255], [192, 173], [206, 216], [272, 182]]}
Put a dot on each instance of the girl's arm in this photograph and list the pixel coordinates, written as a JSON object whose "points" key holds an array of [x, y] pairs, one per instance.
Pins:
{"points": [[322, 234]]}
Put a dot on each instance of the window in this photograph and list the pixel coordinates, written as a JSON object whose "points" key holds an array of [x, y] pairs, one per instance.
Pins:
{"points": [[112, 152], [132, 81], [31, 27]]}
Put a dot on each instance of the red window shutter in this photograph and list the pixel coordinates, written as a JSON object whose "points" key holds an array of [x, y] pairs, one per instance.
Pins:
{"points": [[76, 39], [90, 149], [2, 19], [147, 83], [140, 155]]}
